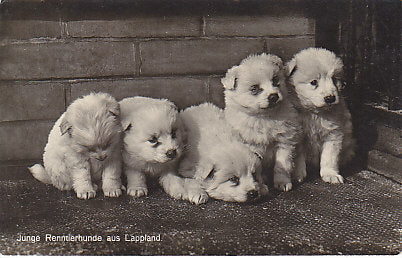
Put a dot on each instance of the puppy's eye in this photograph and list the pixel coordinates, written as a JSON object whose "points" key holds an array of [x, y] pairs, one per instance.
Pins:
{"points": [[255, 89], [314, 83], [275, 81], [153, 140], [235, 180], [174, 131]]}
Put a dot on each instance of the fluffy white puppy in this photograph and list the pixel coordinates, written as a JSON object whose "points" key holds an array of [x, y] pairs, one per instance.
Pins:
{"points": [[315, 81], [84, 146], [257, 108], [153, 144], [225, 167]]}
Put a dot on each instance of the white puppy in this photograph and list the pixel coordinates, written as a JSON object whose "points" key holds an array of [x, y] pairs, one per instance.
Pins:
{"points": [[153, 144], [258, 110], [315, 80], [84, 146], [225, 167]]}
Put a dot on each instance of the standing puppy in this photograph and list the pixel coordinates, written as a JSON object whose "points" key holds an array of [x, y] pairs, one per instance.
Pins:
{"points": [[153, 144], [258, 110], [84, 146], [315, 80]]}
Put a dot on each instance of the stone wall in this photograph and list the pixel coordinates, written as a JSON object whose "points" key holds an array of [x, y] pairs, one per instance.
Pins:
{"points": [[47, 63]]}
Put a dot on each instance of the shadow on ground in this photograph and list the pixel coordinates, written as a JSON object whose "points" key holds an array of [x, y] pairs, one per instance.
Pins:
{"points": [[361, 216]]}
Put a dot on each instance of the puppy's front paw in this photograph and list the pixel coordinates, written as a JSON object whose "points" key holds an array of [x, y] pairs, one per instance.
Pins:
{"points": [[300, 176], [264, 190], [284, 187], [333, 179], [282, 182], [197, 196], [62, 186], [112, 192], [137, 191], [86, 194]]}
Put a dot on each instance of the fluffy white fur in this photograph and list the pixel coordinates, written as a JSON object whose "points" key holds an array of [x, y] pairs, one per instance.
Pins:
{"points": [[225, 167], [257, 108], [84, 146], [153, 144], [315, 81]]}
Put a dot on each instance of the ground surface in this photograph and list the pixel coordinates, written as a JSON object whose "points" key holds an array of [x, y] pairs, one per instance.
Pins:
{"points": [[362, 216]]}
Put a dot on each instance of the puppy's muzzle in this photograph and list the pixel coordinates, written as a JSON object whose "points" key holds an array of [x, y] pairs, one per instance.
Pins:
{"points": [[330, 99], [171, 154], [252, 195]]}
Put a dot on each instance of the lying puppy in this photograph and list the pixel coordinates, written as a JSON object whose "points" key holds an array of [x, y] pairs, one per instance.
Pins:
{"points": [[153, 144], [224, 166], [84, 146], [315, 80], [258, 110]]}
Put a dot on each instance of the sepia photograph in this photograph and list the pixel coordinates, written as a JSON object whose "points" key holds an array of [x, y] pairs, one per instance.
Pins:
{"points": [[200, 127]]}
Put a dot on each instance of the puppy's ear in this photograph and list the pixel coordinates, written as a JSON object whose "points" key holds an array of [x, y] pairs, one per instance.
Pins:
{"points": [[65, 126], [230, 79], [291, 67], [126, 125], [276, 60], [205, 170]]}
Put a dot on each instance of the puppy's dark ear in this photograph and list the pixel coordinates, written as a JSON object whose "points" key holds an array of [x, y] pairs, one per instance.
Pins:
{"points": [[291, 67], [115, 111], [65, 126], [338, 80], [230, 80]]}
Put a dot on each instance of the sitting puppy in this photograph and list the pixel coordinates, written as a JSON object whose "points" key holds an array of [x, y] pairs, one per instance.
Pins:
{"points": [[153, 143], [224, 166], [258, 110], [315, 81], [84, 146]]}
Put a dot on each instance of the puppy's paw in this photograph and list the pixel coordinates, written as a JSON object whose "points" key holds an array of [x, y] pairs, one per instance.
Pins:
{"points": [[112, 192], [284, 187], [95, 186], [62, 186], [333, 179], [264, 190], [197, 196], [178, 195], [137, 191], [299, 176], [86, 194], [282, 182]]}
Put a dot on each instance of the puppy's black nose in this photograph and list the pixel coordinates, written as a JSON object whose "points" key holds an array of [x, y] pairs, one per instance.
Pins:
{"points": [[330, 99], [171, 154], [251, 195], [273, 98]]}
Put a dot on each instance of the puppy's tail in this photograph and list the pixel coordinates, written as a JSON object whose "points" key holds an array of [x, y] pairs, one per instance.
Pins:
{"points": [[39, 172]]}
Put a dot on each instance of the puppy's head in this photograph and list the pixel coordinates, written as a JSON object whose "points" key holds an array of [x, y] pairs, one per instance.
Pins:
{"points": [[255, 85], [153, 129], [315, 75], [232, 176], [93, 125]]}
